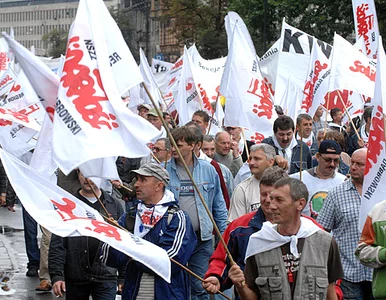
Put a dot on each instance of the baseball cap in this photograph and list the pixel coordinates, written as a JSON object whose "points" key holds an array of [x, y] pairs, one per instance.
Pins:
{"points": [[147, 106], [152, 112], [153, 170], [329, 147]]}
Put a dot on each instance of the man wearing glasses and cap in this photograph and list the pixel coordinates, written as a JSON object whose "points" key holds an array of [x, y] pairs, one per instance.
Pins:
{"points": [[322, 178], [156, 218]]}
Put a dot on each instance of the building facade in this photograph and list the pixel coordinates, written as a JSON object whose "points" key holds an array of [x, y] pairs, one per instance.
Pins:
{"points": [[32, 19]]}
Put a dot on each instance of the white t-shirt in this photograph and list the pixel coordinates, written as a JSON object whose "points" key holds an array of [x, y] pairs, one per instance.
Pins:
{"points": [[317, 189], [245, 198]]}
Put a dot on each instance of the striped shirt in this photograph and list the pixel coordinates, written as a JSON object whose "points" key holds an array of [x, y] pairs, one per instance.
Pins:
{"points": [[340, 213]]}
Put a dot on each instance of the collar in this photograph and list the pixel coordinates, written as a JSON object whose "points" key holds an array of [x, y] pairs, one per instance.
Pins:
{"points": [[292, 145], [173, 162], [312, 172], [257, 220], [349, 185]]}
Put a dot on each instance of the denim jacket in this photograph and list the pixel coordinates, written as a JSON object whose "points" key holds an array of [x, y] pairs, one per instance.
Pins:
{"points": [[206, 178]]}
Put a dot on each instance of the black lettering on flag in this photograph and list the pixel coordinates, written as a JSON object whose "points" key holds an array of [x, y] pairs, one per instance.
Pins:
{"points": [[292, 39], [326, 48]]}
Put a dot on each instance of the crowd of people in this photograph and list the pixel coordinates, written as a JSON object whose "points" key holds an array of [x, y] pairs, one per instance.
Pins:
{"points": [[287, 210]]}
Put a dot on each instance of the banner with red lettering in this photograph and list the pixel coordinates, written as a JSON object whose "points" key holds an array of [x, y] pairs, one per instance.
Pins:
{"points": [[64, 215], [249, 102], [6, 82], [21, 94], [350, 69], [366, 25], [42, 79], [374, 187], [91, 120], [294, 57], [188, 99], [317, 80], [207, 76], [5, 56], [268, 66]]}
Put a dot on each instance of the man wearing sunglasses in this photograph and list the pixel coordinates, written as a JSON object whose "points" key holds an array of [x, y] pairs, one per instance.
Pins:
{"points": [[322, 178]]}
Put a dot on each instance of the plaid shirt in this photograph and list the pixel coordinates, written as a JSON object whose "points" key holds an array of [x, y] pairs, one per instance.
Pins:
{"points": [[317, 125], [340, 213]]}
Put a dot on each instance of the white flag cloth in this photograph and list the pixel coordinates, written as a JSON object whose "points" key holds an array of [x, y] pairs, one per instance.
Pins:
{"points": [[160, 66], [207, 76], [366, 25], [268, 66], [21, 94], [21, 118], [188, 99], [292, 100], [149, 80], [350, 69], [374, 187], [317, 79], [249, 102], [64, 215], [42, 79], [91, 120], [5, 56], [6, 81]]}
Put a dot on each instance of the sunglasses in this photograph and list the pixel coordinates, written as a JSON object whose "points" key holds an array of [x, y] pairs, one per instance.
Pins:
{"points": [[329, 160]]}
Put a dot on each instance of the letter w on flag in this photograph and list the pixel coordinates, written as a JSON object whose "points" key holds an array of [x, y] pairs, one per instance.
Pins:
{"points": [[91, 121], [65, 215], [374, 188]]}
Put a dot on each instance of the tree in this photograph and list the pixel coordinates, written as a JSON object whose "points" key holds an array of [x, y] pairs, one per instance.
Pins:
{"points": [[56, 42], [200, 22]]}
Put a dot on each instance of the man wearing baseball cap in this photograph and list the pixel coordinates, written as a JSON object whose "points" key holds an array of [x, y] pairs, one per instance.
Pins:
{"points": [[155, 120], [156, 218], [322, 178], [143, 110]]}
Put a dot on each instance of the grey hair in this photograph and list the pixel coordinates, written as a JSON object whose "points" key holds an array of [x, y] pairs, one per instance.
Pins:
{"points": [[268, 150], [322, 130], [208, 138], [272, 174], [166, 141], [298, 189]]}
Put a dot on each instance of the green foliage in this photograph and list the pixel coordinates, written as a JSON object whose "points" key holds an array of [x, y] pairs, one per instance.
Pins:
{"points": [[55, 42]]}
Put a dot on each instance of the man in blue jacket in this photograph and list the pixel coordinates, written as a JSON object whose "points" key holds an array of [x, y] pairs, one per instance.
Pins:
{"points": [[206, 178], [157, 219]]}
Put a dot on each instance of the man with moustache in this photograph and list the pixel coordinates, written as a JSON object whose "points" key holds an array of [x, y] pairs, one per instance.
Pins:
{"points": [[287, 147], [322, 178]]}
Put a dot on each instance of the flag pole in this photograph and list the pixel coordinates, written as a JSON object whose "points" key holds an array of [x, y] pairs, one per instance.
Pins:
{"points": [[349, 116], [325, 124], [245, 143], [213, 111], [171, 259], [301, 156], [232, 262], [99, 200]]}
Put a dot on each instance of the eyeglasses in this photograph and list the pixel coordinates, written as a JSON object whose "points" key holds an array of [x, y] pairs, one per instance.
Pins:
{"points": [[156, 149], [329, 160]]}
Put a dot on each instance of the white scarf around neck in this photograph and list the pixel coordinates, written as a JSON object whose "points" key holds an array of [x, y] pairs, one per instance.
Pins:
{"points": [[269, 238]]}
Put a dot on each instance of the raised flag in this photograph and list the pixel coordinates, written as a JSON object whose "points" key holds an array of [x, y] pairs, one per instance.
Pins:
{"points": [[64, 215], [149, 80], [90, 115], [6, 82], [350, 69], [5, 56], [374, 187], [366, 26], [268, 66], [249, 104]]}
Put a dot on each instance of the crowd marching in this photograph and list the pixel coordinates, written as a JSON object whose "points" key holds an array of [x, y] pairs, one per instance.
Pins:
{"points": [[273, 214]]}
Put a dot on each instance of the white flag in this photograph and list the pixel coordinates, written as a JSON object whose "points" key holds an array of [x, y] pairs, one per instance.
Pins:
{"points": [[350, 69], [91, 120], [366, 25], [292, 100], [5, 56], [160, 66], [317, 79], [268, 66], [249, 102], [64, 215], [188, 99], [149, 80], [6, 81], [374, 187]]}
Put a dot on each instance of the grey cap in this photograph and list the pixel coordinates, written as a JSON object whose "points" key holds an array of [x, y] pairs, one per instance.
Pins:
{"points": [[153, 170]]}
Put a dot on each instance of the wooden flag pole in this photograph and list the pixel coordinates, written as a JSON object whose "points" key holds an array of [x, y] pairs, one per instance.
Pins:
{"points": [[217, 231], [325, 124], [213, 111], [245, 143], [99, 200]]}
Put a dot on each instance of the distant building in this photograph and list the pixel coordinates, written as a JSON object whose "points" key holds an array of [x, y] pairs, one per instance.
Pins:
{"points": [[151, 30], [32, 19]]}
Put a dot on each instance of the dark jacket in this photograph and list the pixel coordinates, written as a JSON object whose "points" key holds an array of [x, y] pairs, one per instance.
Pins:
{"points": [[69, 259], [175, 235], [295, 159]]}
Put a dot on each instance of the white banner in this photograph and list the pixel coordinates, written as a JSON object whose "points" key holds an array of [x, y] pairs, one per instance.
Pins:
{"points": [[90, 115], [374, 187], [160, 66], [249, 102], [366, 25], [350, 69], [5, 58], [294, 57], [268, 66], [6, 82], [64, 215], [149, 81]]}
